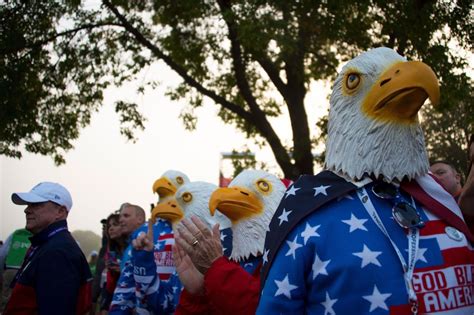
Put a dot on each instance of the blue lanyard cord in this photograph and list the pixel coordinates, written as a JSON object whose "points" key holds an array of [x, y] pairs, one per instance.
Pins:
{"points": [[30, 254]]}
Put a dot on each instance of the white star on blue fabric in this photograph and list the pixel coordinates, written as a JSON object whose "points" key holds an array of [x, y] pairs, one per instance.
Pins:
{"points": [[284, 287], [157, 246], [265, 256], [293, 247], [223, 236], [291, 191], [127, 274], [377, 299], [165, 303], [328, 304], [320, 190], [284, 216], [319, 267], [368, 257], [309, 231], [119, 297], [355, 223], [420, 255]]}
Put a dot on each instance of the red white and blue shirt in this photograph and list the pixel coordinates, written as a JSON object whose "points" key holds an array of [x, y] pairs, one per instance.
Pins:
{"points": [[130, 295], [334, 259]]}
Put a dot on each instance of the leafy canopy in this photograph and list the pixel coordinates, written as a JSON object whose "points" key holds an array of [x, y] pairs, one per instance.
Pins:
{"points": [[254, 59]]}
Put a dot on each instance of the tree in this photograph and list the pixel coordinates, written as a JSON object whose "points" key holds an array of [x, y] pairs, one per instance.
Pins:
{"points": [[254, 59], [448, 132]]}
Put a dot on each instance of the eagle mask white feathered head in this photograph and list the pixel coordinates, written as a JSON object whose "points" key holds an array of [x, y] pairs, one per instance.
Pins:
{"points": [[373, 119]]}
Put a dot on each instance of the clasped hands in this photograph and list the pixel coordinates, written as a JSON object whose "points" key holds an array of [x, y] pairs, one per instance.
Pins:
{"points": [[196, 248]]}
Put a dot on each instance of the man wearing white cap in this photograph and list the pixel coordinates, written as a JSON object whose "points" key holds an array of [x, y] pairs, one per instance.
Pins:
{"points": [[55, 277]]}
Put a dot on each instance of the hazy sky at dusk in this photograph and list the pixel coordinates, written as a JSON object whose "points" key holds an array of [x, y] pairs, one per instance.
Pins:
{"points": [[104, 170]]}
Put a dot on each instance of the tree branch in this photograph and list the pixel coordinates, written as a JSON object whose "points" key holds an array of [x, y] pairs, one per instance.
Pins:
{"points": [[40, 43], [262, 123], [176, 67]]}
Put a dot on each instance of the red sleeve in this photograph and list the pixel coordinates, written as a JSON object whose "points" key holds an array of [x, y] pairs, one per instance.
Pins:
{"points": [[192, 304], [111, 282], [231, 289]]}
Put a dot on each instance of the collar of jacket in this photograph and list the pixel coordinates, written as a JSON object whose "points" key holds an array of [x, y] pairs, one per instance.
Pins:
{"points": [[48, 232]]}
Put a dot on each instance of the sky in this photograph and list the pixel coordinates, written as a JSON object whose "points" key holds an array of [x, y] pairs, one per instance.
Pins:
{"points": [[104, 170]]}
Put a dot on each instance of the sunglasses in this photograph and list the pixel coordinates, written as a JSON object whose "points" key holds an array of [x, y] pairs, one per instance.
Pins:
{"points": [[404, 213]]}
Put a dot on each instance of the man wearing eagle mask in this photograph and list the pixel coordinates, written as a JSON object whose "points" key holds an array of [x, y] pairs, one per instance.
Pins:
{"points": [[374, 233]]}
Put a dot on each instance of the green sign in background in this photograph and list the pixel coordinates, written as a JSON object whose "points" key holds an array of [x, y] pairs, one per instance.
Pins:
{"points": [[18, 247]]}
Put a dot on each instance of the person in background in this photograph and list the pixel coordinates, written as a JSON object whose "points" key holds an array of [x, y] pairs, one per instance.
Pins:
{"points": [[124, 300], [116, 243], [12, 254], [448, 176], [466, 199], [55, 278], [98, 279], [450, 179], [93, 256]]}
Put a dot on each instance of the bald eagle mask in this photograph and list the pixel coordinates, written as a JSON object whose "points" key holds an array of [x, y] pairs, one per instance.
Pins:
{"points": [[373, 117]]}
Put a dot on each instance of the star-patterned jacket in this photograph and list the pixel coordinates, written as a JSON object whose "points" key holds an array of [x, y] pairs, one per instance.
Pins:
{"points": [[324, 254], [129, 295]]}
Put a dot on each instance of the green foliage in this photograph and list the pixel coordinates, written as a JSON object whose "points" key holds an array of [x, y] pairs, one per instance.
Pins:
{"points": [[254, 59], [242, 160], [447, 133]]}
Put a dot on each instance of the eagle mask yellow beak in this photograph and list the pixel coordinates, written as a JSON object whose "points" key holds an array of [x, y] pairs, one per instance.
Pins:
{"points": [[164, 188], [169, 210], [236, 203], [400, 92]]}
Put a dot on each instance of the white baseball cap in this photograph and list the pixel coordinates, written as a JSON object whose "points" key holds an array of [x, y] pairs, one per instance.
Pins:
{"points": [[45, 191]]}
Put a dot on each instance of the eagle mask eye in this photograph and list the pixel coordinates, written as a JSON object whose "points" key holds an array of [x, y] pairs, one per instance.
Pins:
{"points": [[179, 180], [263, 186], [352, 81], [187, 197]]}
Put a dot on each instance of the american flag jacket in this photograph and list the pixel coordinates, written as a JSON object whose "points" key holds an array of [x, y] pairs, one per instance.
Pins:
{"points": [[158, 287], [129, 295], [324, 254]]}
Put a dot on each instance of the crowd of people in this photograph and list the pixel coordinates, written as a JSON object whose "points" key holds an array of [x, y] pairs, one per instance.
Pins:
{"points": [[391, 241], [46, 216]]}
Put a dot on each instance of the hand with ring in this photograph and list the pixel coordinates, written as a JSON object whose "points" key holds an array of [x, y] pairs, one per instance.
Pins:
{"points": [[202, 245], [191, 278]]}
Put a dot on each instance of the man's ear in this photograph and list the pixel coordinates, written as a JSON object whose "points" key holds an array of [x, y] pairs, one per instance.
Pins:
{"points": [[62, 212]]}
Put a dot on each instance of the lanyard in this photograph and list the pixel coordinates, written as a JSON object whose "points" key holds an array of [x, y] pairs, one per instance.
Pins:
{"points": [[413, 240], [30, 253]]}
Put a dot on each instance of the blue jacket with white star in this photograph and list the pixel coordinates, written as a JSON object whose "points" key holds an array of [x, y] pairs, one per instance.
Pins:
{"points": [[336, 260]]}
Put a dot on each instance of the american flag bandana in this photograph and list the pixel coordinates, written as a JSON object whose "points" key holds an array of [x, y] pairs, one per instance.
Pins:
{"points": [[336, 261]]}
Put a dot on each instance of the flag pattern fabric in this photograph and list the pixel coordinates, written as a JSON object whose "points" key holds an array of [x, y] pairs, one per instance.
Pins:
{"points": [[131, 296], [157, 284], [325, 255]]}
